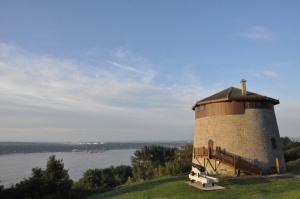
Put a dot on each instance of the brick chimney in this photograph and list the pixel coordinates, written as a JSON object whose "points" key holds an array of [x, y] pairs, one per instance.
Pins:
{"points": [[243, 84]]}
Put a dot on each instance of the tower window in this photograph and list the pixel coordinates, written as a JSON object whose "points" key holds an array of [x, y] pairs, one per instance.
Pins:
{"points": [[256, 104], [204, 107], [273, 142]]}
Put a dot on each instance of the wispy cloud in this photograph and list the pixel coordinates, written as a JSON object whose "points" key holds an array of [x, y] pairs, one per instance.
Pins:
{"points": [[121, 52], [258, 33], [128, 68], [41, 92], [133, 65], [270, 74]]}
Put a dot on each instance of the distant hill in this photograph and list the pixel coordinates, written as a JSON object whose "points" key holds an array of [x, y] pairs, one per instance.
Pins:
{"points": [[38, 147], [296, 139]]}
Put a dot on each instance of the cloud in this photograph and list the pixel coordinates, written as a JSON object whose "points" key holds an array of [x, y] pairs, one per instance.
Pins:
{"points": [[41, 94], [258, 33], [128, 68], [270, 74], [121, 52], [49, 82]]}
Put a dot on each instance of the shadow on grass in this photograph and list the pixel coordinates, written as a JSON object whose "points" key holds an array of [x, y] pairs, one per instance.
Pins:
{"points": [[139, 187], [248, 180]]}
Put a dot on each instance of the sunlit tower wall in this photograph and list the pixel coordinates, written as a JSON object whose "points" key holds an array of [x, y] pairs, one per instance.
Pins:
{"points": [[243, 124]]}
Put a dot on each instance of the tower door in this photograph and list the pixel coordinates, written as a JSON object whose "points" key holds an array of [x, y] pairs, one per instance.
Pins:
{"points": [[210, 144]]}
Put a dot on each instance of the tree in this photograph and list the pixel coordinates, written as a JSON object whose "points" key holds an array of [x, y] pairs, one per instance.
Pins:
{"points": [[180, 164], [91, 179], [56, 178], [183, 158], [105, 178], [288, 144], [122, 173], [33, 187], [53, 182], [291, 149], [147, 160]]}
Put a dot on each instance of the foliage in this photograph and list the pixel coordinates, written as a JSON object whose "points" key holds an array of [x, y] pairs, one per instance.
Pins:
{"points": [[290, 148], [148, 159], [122, 174], [293, 166], [295, 163], [292, 154], [183, 158], [106, 178], [288, 144], [180, 164], [158, 161], [91, 179], [53, 182], [56, 178]]}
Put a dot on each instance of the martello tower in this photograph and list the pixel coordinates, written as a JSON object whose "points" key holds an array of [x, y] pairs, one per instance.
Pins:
{"points": [[236, 130]]}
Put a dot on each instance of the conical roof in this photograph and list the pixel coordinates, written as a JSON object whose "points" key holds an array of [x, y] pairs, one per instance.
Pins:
{"points": [[234, 94]]}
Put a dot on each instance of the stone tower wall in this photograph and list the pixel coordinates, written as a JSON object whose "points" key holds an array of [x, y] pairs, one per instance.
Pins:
{"points": [[247, 135]]}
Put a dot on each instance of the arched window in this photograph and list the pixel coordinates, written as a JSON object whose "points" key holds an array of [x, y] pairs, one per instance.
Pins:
{"points": [[273, 142], [210, 144]]}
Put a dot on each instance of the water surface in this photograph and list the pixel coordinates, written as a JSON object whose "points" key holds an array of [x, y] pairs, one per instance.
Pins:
{"points": [[15, 167]]}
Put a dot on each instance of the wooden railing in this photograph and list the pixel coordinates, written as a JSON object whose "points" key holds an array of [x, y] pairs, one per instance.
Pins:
{"points": [[228, 159], [200, 152], [223, 157], [248, 167]]}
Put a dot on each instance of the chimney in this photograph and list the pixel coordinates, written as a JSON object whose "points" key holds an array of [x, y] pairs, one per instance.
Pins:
{"points": [[243, 84]]}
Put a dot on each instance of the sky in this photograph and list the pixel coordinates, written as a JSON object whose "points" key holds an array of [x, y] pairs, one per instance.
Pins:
{"points": [[131, 70]]}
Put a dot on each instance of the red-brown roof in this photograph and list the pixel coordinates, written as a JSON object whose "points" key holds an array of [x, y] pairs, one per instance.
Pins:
{"points": [[234, 94]]}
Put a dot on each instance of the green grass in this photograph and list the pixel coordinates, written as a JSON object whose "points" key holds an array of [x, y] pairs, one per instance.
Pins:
{"points": [[235, 187]]}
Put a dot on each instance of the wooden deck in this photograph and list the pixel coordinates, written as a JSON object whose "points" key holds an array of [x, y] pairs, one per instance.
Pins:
{"points": [[231, 160]]}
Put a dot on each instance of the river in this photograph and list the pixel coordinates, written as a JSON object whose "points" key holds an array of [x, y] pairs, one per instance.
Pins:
{"points": [[15, 167]]}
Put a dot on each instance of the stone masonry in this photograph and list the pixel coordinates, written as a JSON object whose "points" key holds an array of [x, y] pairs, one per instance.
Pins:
{"points": [[246, 135]]}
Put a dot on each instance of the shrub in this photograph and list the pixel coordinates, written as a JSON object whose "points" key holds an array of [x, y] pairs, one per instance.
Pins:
{"points": [[106, 178], [53, 182], [146, 161]]}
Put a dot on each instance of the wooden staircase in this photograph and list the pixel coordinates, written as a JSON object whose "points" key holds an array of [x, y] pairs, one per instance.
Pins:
{"points": [[229, 159]]}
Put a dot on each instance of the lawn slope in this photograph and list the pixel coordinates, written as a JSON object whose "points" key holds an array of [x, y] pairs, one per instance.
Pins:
{"points": [[236, 187]]}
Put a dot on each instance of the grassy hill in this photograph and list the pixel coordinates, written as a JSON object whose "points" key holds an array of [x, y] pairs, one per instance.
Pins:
{"points": [[236, 187]]}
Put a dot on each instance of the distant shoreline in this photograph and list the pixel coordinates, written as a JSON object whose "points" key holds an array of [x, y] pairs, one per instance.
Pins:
{"points": [[40, 147]]}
